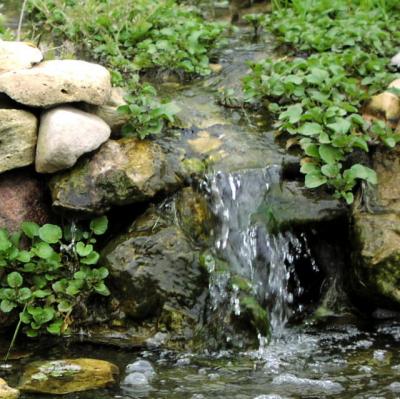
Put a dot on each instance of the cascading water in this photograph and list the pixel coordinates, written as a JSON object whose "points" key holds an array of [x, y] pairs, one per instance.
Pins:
{"points": [[264, 258]]}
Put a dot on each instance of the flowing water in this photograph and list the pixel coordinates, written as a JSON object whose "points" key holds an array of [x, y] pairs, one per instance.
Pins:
{"points": [[339, 358]]}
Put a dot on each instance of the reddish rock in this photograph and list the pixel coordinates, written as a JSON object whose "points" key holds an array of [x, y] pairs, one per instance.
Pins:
{"points": [[22, 197]]}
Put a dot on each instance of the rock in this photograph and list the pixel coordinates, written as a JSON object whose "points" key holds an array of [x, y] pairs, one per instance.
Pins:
{"points": [[124, 171], [18, 135], [109, 111], [22, 198], [7, 392], [204, 143], [216, 68], [376, 242], [141, 366], [395, 61], [154, 266], [56, 82], [136, 379], [18, 55], [385, 105], [65, 134], [395, 84], [61, 377]]}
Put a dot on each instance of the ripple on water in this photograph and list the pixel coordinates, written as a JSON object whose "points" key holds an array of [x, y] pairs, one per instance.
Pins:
{"points": [[293, 384]]}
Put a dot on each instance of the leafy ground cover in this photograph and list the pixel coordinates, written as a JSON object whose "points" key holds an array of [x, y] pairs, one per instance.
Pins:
{"points": [[50, 280], [337, 57], [131, 37]]}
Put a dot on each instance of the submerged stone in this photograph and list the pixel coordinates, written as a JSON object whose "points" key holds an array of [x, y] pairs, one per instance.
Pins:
{"points": [[121, 172], [60, 377]]}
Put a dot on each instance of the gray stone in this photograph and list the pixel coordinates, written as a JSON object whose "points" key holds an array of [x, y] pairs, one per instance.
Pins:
{"points": [[109, 111], [18, 136], [65, 134], [56, 82]]}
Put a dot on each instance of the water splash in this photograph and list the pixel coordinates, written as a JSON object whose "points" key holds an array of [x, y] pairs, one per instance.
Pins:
{"points": [[252, 251]]}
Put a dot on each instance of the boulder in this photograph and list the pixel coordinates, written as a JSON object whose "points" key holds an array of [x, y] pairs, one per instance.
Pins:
{"points": [[386, 106], [121, 172], [395, 61], [109, 111], [18, 55], [7, 392], [376, 226], [154, 266], [18, 136], [22, 198], [60, 377], [65, 134], [56, 82]]}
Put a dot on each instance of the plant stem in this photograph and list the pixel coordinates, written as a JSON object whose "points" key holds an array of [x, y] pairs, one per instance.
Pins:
{"points": [[21, 17], [15, 334]]}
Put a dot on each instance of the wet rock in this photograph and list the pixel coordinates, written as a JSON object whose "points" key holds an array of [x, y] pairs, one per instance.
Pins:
{"points": [[18, 55], [385, 105], [395, 61], [394, 387], [61, 377], [376, 243], [57, 82], [109, 111], [124, 171], [204, 143], [155, 270], [135, 379], [7, 392], [65, 134], [18, 134], [141, 366], [22, 198]]}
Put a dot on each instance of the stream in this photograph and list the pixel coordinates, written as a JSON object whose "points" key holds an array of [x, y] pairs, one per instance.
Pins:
{"points": [[340, 357]]}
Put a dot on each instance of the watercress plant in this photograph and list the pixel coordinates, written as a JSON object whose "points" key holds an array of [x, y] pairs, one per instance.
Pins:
{"points": [[337, 59], [49, 281]]}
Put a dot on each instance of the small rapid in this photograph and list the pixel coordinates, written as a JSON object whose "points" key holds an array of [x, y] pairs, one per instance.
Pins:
{"points": [[246, 241]]}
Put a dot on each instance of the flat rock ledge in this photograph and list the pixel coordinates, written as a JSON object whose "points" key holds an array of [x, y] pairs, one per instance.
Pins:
{"points": [[58, 82]]}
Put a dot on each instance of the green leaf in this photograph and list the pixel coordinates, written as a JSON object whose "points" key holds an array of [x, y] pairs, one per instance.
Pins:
{"points": [[43, 250], [42, 293], [314, 180], [358, 171], [330, 170], [55, 328], [349, 197], [293, 113], [99, 225], [24, 256], [24, 294], [341, 126], [310, 129], [309, 168], [102, 289], [92, 259], [30, 229], [14, 280], [330, 154], [5, 243], [83, 250], [50, 233], [6, 306], [311, 150]]}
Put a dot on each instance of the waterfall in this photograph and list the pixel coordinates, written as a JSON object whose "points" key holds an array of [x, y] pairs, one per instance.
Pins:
{"points": [[247, 244]]}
